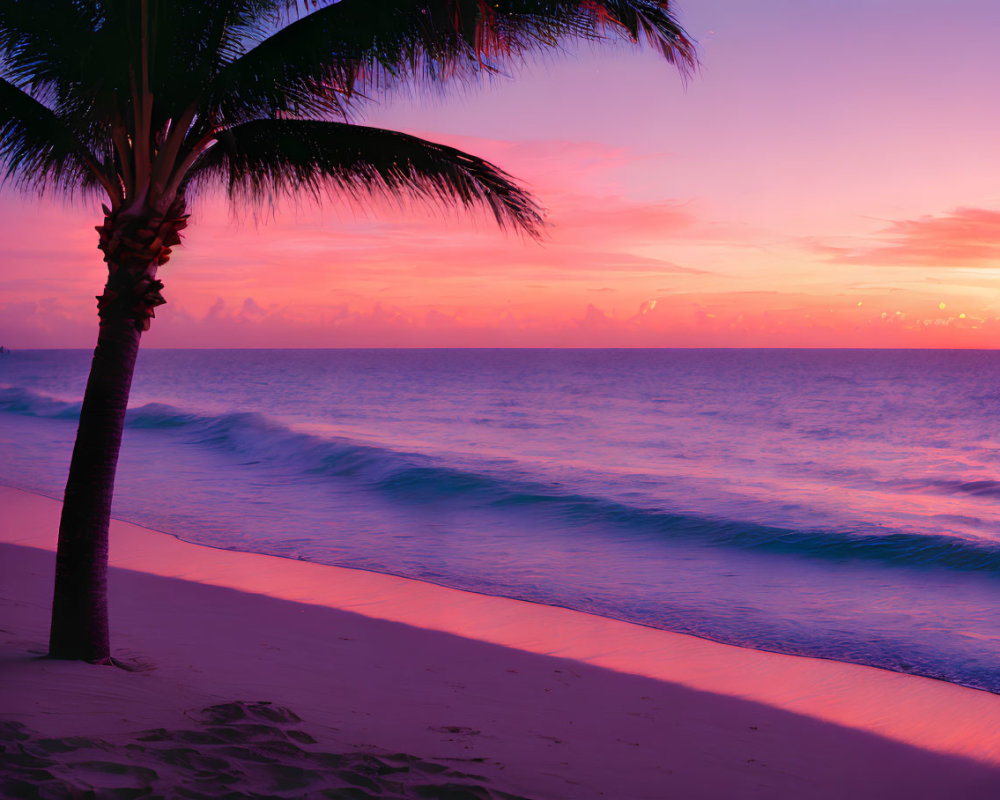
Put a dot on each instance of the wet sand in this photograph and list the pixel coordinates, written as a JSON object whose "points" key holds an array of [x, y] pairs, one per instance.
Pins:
{"points": [[293, 679]]}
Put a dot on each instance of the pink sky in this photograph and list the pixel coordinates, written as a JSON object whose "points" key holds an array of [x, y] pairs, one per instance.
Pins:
{"points": [[831, 178]]}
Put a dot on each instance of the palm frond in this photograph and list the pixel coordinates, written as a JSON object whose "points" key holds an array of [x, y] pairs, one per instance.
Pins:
{"points": [[130, 92], [264, 159], [192, 41], [317, 63], [64, 54], [40, 150], [41, 41]]}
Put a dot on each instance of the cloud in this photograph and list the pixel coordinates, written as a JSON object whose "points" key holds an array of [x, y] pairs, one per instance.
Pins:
{"points": [[966, 237], [426, 253], [433, 270], [47, 322]]}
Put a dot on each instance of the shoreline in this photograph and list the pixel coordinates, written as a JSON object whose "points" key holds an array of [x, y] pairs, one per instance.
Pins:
{"points": [[474, 592], [560, 698]]}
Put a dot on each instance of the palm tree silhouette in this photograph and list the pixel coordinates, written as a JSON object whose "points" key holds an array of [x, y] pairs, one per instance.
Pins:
{"points": [[148, 102]]}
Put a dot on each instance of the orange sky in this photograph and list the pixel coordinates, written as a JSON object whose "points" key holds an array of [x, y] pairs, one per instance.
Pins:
{"points": [[831, 178]]}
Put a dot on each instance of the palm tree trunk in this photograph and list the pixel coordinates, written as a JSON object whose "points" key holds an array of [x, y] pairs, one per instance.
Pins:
{"points": [[134, 247], [79, 606]]}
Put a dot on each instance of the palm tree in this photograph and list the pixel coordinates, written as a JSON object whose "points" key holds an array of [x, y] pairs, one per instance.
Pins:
{"points": [[148, 102]]}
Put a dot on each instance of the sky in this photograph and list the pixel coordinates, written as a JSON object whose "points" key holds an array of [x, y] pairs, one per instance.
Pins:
{"points": [[830, 177]]}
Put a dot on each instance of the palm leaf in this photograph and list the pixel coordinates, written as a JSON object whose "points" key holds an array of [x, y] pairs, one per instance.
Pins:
{"points": [[318, 62], [37, 49], [147, 85], [263, 159], [193, 40], [63, 54], [39, 149]]}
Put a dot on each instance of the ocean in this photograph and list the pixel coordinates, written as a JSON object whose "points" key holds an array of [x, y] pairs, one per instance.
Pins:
{"points": [[842, 504]]}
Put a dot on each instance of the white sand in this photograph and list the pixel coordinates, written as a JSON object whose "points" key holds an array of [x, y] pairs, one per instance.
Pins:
{"points": [[555, 703]]}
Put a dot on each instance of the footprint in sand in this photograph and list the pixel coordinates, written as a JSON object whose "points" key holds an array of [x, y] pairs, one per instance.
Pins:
{"points": [[239, 749]]}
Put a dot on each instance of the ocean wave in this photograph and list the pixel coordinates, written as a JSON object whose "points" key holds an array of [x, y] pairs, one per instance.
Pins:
{"points": [[979, 488], [418, 479], [16, 400]]}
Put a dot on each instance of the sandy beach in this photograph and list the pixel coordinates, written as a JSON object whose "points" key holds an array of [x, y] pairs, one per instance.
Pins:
{"points": [[286, 678]]}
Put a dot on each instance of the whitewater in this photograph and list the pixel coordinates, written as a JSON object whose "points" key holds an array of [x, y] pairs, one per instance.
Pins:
{"points": [[832, 503]]}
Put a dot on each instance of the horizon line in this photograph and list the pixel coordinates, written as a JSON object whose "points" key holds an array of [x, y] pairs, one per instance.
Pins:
{"points": [[540, 347]]}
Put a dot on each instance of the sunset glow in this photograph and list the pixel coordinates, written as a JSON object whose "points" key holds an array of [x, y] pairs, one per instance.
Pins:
{"points": [[828, 179]]}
